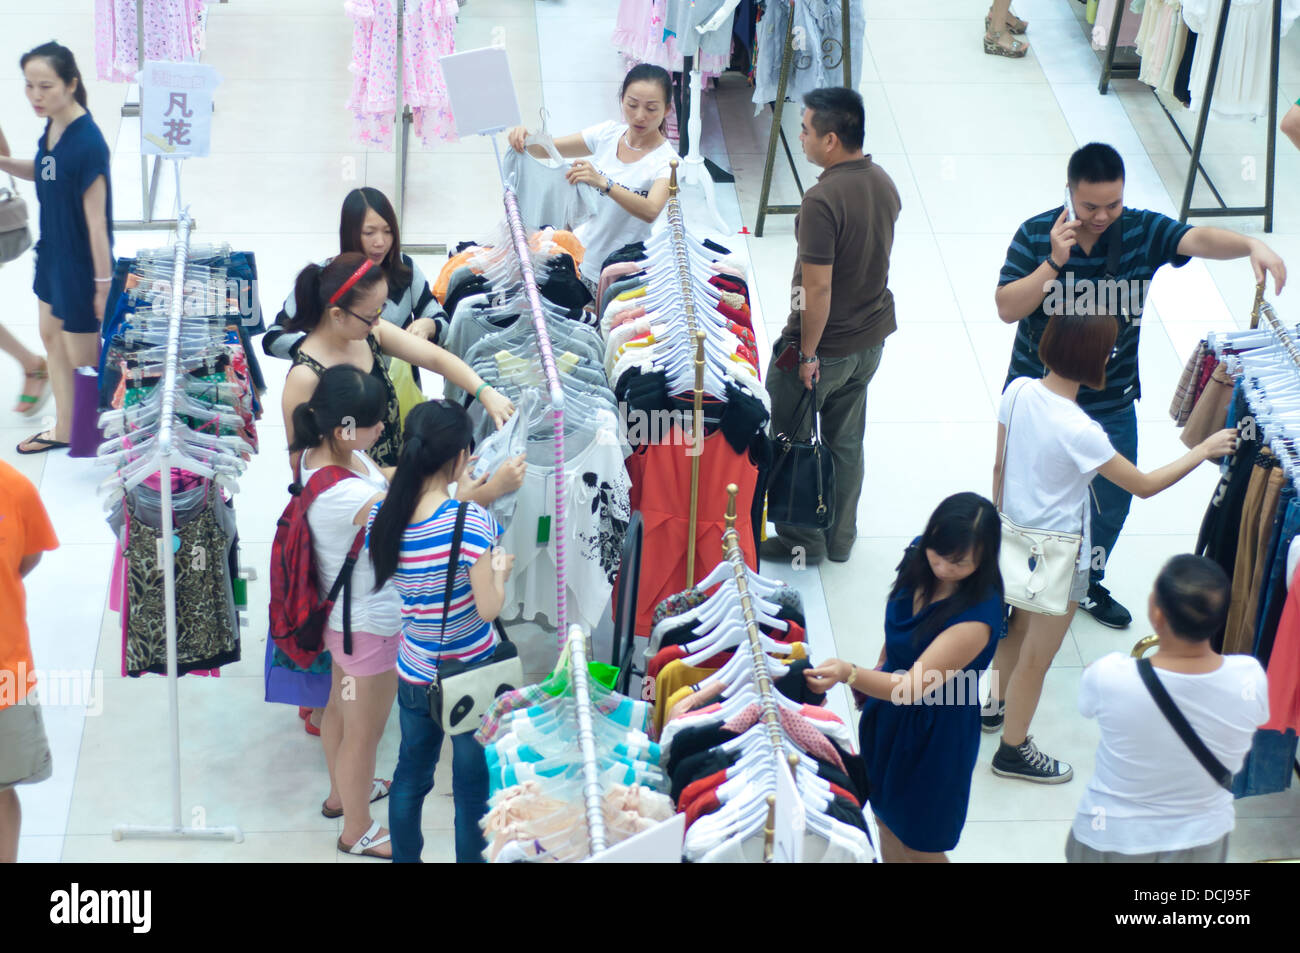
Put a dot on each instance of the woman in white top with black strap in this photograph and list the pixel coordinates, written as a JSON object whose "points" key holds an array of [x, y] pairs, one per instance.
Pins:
{"points": [[1054, 450], [628, 165]]}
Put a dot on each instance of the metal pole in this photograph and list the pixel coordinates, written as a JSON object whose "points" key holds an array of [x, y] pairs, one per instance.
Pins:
{"points": [[1199, 140], [1270, 157], [845, 39], [775, 134]]}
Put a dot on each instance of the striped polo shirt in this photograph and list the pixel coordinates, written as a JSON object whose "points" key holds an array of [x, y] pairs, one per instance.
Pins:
{"points": [[1148, 240], [421, 580]]}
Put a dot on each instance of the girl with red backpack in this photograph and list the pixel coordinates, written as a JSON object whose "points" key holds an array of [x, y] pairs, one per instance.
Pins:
{"points": [[335, 429]]}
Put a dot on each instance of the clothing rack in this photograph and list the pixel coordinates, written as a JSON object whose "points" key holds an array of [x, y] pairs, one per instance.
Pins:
{"points": [[591, 787], [777, 133], [766, 690], [167, 460], [148, 182], [1109, 70], [404, 120], [695, 168], [681, 255], [520, 243]]}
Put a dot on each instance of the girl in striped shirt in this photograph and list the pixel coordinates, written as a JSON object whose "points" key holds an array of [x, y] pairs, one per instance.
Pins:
{"points": [[410, 543]]}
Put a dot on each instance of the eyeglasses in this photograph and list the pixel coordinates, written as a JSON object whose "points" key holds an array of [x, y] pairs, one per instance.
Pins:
{"points": [[368, 322]]}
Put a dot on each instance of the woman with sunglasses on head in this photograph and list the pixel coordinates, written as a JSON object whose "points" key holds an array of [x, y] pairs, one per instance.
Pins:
{"points": [[368, 225], [340, 307]]}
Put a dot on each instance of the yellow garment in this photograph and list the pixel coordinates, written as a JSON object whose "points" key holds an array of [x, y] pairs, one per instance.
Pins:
{"points": [[681, 679], [408, 391], [632, 293]]}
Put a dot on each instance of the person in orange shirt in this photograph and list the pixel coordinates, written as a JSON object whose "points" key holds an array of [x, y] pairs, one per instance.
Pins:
{"points": [[25, 533]]}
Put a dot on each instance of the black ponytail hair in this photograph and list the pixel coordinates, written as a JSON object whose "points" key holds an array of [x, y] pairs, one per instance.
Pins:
{"points": [[344, 395], [648, 73], [964, 523], [315, 285], [435, 432], [64, 65]]}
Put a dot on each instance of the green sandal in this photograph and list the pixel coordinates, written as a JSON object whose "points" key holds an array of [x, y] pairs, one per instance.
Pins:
{"points": [[29, 402]]}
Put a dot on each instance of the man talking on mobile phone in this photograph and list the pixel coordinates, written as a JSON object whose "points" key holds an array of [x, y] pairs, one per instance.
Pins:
{"points": [[1100, 257], [841, 310]]}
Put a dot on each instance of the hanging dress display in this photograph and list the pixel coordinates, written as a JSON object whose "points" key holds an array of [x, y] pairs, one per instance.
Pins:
{"points": [[173, 32]]}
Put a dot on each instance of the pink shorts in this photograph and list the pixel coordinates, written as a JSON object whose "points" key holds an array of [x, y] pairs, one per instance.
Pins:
{"points": [[371, 654]]}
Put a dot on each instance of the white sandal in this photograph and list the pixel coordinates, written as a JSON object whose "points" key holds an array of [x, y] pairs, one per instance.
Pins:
{"points": [[366, 844]]}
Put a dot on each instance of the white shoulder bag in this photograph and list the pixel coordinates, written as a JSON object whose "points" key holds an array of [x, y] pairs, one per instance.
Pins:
{"points": [[1038, 565]]}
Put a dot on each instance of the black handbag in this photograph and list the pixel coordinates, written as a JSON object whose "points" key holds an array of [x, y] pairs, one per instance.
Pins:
{"points": [[801, 486], [462, 692]]}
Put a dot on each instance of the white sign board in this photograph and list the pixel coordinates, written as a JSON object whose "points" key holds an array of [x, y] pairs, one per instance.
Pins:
{"points": [[481, 91], [787, 845], [661, 844], [176, 109]]}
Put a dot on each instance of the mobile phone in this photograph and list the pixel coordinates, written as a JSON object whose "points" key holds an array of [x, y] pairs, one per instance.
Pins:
{"points": [[789, 358], [1069, 206]]}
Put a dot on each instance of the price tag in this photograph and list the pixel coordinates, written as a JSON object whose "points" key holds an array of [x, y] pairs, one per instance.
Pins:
{"points": [[543, 530]]}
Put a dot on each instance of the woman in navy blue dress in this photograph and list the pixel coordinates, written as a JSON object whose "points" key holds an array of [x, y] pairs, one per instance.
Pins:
{"points": [[74, 264], [920, 727]]}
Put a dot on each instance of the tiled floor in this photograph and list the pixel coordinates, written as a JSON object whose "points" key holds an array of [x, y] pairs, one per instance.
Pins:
{"points": [[975, 144]]}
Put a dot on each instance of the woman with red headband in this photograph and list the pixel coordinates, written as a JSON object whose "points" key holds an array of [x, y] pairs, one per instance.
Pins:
{"points": [[340, 305]]}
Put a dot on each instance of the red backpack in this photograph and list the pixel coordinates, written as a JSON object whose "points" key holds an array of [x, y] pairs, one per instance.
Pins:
{"points": [[298, 613]]}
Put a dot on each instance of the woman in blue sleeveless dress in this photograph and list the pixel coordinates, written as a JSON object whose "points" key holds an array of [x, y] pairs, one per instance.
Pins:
{"points": [[920, 727]]}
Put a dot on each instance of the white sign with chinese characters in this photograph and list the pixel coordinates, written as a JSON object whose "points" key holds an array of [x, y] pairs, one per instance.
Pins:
{"points": [[176, 109]]}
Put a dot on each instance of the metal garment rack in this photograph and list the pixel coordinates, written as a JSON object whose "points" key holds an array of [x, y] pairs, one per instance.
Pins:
{"points": [[696, 169], [520, 243], [404, 120], [591, 787], [168, 459], [681, 257], [1109, 71], [148, 182], [770, 717], [777, 133]]}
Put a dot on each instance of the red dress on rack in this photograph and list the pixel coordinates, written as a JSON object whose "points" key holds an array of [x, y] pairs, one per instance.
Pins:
{"points": [[661, 491]]}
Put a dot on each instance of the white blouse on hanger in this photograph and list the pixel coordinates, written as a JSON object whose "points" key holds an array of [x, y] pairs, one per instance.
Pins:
{"points": [[1241, 88]]}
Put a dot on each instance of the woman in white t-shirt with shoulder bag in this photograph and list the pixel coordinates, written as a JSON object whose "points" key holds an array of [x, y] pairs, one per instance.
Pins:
{"points": [[629, 166], [1053, 450]]}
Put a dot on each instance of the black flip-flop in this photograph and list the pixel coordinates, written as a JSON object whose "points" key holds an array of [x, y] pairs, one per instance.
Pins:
{"points": [[48, 444]]}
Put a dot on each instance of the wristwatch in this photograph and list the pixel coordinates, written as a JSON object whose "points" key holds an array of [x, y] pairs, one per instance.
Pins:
{"points": [[609, 184], [807, 360]]}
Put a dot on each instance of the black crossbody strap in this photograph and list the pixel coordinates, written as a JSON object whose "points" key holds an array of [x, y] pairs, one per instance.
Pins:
{"points": [[453, 562], [1221, 775]]}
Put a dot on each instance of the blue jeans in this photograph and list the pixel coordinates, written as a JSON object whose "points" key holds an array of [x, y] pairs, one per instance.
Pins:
{"points": [[1286, 525], [1111, 504], [413, 780]]}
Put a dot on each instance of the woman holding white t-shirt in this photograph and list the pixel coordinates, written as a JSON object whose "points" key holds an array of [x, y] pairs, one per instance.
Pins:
{"points": [[629, 167], [1054, 450]]}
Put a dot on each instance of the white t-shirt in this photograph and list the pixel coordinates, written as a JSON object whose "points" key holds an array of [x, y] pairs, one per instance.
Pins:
{"points": [[1053, 450], [613, 226], [1148, 792], [332, 532]]}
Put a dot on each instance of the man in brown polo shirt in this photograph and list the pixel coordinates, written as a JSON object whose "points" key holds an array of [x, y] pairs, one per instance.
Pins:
{"points": [[842, 309]]}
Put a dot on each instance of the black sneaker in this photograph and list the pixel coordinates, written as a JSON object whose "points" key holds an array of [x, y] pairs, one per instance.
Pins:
{"points": [[1029, 764], [1101, 605], [991, 718]]}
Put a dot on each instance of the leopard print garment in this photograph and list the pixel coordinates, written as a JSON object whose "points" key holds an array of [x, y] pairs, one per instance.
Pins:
{"points": [[207, 635]]}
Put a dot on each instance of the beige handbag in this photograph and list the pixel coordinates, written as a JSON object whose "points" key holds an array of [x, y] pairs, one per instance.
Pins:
{"points": [[15, 237], [1037, 565]]}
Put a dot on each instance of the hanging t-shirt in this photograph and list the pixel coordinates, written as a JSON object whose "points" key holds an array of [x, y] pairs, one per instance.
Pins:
{"points": [[1053, 450], [613, 226], [332, 533], [1148, 792]]}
